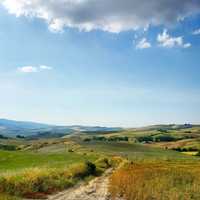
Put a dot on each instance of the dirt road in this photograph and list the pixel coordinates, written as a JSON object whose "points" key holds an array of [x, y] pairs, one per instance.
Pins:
{"points": [[96, 189]]}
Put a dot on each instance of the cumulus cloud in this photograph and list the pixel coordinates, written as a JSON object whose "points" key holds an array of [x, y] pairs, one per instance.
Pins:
{"points": [[33, 69], [196, 32], [28, 69], [143, 44], [106, 15], [165, 40]]}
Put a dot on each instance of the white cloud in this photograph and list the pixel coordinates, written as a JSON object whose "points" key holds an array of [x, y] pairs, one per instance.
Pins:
{"points": [[28, 69], [33, 69], [107, 15], [165, 40], [44, 67], [187, 45], [196, 32], [143, 44]]}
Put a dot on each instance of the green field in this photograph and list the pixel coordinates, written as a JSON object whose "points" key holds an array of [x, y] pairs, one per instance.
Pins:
{"points": [[31, 168], [135, 151], [175, 137], [17, 160]]}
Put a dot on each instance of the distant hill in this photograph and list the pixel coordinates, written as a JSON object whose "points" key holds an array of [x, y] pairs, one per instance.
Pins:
{"points": [[21, 124], [167, 127], [12, 128]]}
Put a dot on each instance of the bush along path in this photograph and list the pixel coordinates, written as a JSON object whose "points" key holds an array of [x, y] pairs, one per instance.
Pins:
{"points": [[35, 183], [96, 189]]}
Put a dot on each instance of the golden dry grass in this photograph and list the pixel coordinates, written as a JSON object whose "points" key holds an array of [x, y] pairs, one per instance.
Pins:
{"points": [[156, 181]]}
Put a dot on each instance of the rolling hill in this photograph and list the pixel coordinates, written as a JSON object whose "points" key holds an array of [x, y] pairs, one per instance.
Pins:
{"points": [[12, 128]]}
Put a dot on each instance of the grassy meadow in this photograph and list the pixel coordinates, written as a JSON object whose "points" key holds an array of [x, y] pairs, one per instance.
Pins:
{"points": [[159, 164], [136, 151], [19, 160], [34, 173]]}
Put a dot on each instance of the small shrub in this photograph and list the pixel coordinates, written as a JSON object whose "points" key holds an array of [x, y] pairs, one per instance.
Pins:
{"points": [[20, 136], [103, 163], [163, 130], [87, 139], [198, 154], [91, 168], [145, 139], [3, 137], [164, 138], [8, 147]]}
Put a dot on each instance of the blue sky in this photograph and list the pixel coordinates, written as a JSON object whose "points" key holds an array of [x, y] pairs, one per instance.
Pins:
{"points": [[129, 76]]}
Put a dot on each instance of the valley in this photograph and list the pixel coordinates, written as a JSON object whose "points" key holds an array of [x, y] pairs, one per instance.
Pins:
{"points": [[50, 167]]}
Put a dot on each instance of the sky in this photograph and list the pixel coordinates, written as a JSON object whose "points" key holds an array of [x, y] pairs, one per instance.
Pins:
{"points": [[100, 62]]}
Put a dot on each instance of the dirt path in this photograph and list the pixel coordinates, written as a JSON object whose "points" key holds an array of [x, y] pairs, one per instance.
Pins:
{"points": [[96, 189]]}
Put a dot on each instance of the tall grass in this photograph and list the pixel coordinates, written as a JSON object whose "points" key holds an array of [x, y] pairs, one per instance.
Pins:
{"points": [[156, 181], [7, 197], [38, 182]]}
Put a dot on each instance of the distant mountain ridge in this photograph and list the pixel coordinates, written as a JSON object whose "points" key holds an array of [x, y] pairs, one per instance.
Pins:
{"points": [[13, 128], [21, 124]]}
